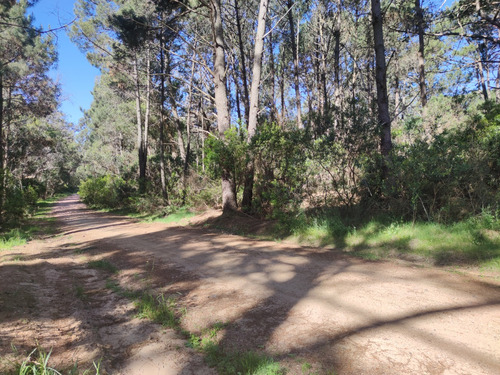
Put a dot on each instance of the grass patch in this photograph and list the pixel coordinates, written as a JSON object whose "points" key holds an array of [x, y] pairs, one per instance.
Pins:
{"points": [[37, 363], [228, 363], [475, 241], [172, 217], [162, 310], [103, 264], [158, 309], [14, 237], [31, 227]]}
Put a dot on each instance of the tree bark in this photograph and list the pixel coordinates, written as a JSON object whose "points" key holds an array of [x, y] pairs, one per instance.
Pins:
{"points": [[336, 66], [254, 97], [295, 53], [140, 139], [421, 56], [162, 119], [381, 81], [244, 78], [221, 102], [2, 172]]}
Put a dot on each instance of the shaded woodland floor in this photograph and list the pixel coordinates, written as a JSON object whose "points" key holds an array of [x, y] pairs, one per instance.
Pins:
{"points": [[300, 305]]}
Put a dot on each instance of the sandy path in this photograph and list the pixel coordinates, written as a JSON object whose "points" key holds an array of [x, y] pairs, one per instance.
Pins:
{"points": [[299, 304]]}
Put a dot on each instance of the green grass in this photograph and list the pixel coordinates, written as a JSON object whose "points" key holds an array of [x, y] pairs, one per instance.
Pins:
{"points": [[158, 309], [162, 310], [475, 241], [14, 237], [102, 264], [247, 363], [37, 363], [172, 217], [25, 231]]}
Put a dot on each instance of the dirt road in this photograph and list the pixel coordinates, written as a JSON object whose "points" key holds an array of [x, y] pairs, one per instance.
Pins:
{"points": [[301, 305]]}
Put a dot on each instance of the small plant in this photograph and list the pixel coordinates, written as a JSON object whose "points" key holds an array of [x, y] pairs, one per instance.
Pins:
{"points": [[39, 365], [159, 309], [102, 265]]}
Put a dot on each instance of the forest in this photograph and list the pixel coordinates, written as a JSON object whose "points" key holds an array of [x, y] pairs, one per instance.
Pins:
{"points": [[312, 112], [258, 187]]}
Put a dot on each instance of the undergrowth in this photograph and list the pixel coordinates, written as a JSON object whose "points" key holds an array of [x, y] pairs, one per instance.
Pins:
{"points": [[475, 241], [20, 233]]}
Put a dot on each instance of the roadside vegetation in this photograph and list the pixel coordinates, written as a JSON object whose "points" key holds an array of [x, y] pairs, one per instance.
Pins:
{"points": [[33, 222], [165, 311]]}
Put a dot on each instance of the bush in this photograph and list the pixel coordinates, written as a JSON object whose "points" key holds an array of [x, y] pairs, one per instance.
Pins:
{"points": [[280, 168], [105, 192], [451, 178]]}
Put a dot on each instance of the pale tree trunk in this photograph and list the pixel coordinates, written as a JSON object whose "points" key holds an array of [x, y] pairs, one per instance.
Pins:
{"points": [[295, 45], [140, 137], [221, 102], [421, 57], [257, 69], [254, 97], [162, 119], [173, 106], [148, 106], [381, 81], [272, 68], [480, 69]]}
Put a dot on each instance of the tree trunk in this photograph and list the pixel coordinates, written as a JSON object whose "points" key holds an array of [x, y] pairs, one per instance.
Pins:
{"points": [[185, 169], [421, 57], [336, 67], [2, 172], [221, 103], [272, 69], [140, 139], [295, 53], [381, 81], [481, 68], [244, 78], [162, 119], [173, 105], [254, 97]]}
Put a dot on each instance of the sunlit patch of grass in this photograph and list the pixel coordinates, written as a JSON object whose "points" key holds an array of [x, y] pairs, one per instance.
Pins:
{"points": [[475, 241], [14, 237], [31, 227], [174, 217], [158, 309]]}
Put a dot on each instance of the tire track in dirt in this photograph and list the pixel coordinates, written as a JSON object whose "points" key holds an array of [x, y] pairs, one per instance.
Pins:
{"points": [[299, 304]]}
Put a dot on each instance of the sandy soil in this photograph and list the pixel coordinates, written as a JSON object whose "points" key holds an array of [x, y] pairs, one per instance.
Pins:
{"points": [[302, 305]]}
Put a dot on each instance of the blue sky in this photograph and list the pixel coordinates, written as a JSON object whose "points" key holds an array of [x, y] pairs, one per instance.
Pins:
{"points": [[74, 72]]}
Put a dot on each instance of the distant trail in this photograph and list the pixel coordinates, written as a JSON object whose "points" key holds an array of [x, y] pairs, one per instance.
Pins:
{"points": [[298, 304]]}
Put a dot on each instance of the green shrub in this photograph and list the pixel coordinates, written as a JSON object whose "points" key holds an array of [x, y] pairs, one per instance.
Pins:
{"points": [[280, 168], [105, 192]]}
